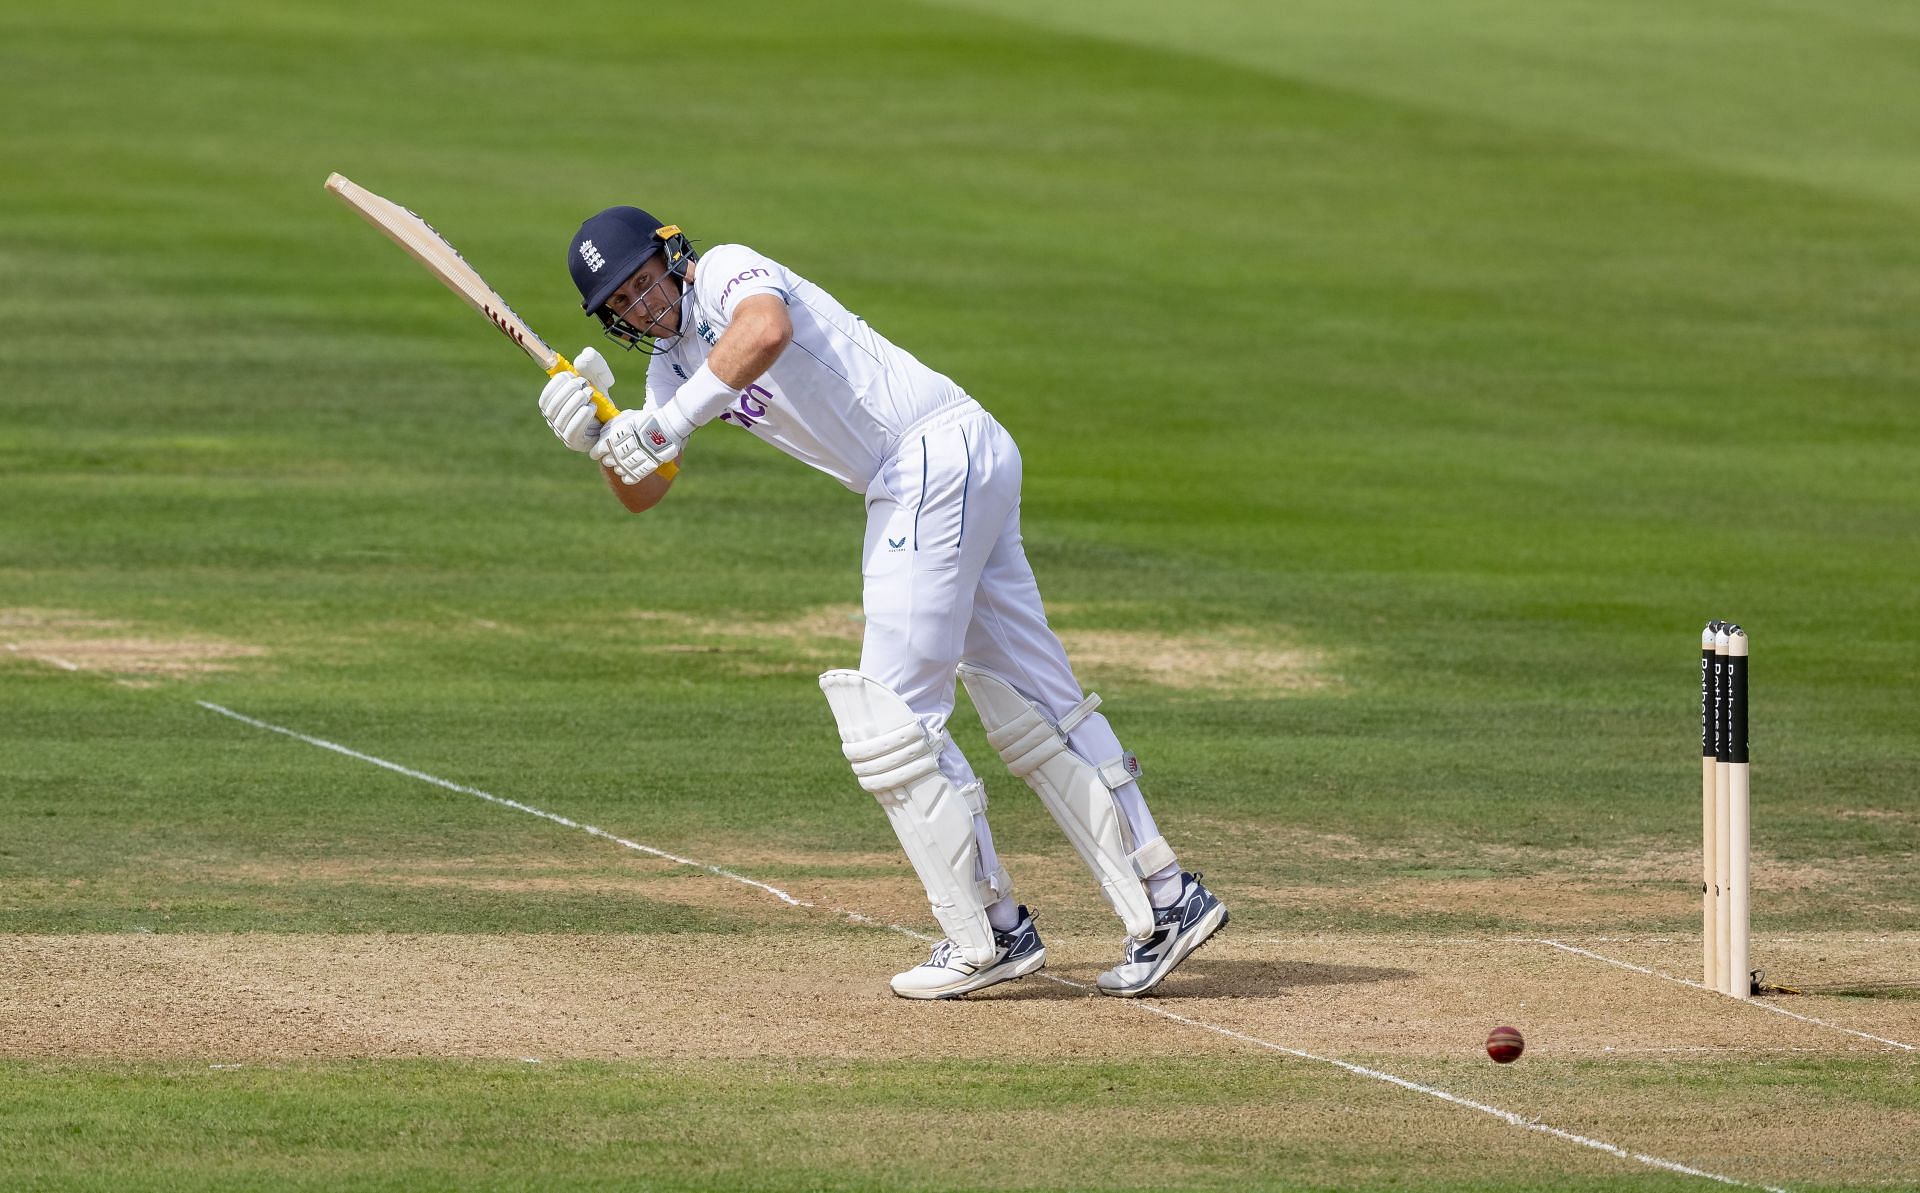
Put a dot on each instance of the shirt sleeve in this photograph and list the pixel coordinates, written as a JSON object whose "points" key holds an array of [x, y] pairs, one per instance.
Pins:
{"points": [[729, 273]]}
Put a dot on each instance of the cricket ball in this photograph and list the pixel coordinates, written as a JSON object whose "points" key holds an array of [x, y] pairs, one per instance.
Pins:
{"points": [[1504, 1045]]}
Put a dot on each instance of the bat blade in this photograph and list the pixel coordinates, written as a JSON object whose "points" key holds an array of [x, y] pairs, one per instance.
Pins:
{"points": [[423, 242]]}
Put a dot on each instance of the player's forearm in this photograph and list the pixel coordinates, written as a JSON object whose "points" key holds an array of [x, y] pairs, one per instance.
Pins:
{"points": [[641, 497], [760, 333]]}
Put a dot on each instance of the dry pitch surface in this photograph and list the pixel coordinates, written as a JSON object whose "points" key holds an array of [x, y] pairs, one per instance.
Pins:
{"points": [[1616, 1054], [822, 993]]}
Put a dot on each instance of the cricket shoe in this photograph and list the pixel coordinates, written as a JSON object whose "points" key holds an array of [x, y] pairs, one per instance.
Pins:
{"points": [[1178, 929], [946, 974]]}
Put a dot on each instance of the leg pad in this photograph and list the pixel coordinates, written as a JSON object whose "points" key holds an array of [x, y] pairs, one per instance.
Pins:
{"points": [[898, 762], [1077, 791]]}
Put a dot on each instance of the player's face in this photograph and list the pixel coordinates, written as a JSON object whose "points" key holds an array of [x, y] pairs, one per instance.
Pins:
{"points": [[649, 300]]}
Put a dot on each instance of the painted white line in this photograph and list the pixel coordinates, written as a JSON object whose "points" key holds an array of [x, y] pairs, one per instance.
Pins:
{"points": [[1609, 1049], [504, 802], [1904, 937], [1395, 938], [1749, 1002], [1755, 937], [1506, 1116], [61, 663], [1401, 938]]}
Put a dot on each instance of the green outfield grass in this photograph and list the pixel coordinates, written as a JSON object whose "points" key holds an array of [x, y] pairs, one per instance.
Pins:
{"points": [[804, 1124], [1479, 351]]}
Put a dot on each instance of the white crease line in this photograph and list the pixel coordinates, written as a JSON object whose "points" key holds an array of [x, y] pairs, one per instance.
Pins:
{"points": [[1892, 938], [1403, 938], [424, 777], [1506, 1116], [1395, 937], [44, 658], [1756, 938], [1609, 1049], [1764, 1006]]}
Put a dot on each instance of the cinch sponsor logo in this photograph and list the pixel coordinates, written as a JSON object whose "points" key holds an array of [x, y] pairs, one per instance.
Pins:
{"points": [[591, 256], [755, 272], [751, 409]]}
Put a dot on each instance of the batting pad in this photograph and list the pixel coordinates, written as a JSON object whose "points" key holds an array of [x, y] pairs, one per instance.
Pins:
{"points": [[898, 761], [1077, 792]]}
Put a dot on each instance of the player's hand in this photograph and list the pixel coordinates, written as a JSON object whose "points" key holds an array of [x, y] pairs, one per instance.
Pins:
{"points": [[567, 405], [593, 366], [635, 445]]}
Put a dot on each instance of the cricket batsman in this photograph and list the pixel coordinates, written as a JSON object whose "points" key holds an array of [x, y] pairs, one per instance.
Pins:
{"points": [[736, 337]]}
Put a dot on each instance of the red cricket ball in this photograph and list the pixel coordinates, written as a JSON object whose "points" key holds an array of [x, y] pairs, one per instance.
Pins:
{"points": [[1504, 1045]]}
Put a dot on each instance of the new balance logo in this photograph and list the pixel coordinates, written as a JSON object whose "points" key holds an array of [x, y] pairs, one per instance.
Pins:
{"points": [[591, 256]]}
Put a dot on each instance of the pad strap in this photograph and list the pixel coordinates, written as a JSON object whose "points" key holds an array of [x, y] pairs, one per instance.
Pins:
{"points": [[1120, 771], [1151, 858], [975, 795], [1079, 713]]}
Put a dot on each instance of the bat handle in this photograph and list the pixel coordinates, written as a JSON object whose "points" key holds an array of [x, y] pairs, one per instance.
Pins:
{"points": [[604, 407]]}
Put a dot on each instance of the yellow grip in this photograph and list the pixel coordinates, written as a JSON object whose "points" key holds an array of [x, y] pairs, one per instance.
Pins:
{"points": [[604, 407]]}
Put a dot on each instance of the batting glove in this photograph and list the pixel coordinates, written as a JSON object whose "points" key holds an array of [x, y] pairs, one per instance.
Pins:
{"points": [[593, 366], [567, 401], [635, 445]]}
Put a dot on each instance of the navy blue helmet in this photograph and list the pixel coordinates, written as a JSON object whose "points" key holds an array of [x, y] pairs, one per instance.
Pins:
{"points": [[605, 252]]}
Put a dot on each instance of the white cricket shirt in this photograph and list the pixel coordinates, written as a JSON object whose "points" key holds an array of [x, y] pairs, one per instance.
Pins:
{"points": [[841, 397]]}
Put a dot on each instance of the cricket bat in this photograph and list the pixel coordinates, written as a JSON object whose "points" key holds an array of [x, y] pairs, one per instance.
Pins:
{"points": [[443, 261]]}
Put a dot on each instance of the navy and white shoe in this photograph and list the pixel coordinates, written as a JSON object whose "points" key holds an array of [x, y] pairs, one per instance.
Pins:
{"points": [[1178, 929], [947, 974]]}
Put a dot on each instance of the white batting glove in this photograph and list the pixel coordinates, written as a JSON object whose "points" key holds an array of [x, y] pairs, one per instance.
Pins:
{"points": [[634, 445], [567, 405], [593, 366], [567, 401]]}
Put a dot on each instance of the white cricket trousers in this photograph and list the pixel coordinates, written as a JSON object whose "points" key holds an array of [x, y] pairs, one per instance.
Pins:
{"points": [[947, 581]]}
